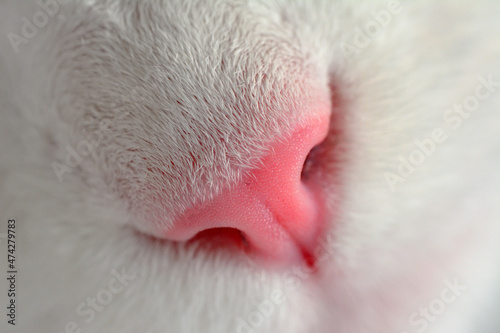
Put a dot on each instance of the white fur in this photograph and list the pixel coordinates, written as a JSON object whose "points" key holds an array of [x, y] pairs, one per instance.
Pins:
{"points": [[196, 90]]}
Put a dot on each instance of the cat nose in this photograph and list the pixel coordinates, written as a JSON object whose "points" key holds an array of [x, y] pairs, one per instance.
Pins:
{"points": [[278, 214]]}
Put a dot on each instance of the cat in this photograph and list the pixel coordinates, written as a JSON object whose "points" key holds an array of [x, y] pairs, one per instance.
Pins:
{"points": [[241, 166]]}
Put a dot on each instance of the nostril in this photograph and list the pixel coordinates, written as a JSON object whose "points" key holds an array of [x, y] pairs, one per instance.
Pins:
{"points": [[310, 163], [223, 237]]}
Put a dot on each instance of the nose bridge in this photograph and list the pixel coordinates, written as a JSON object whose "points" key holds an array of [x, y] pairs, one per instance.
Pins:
{"points": [[278, 184]]}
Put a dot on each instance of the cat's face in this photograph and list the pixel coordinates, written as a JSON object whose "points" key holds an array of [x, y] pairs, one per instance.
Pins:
{"points": [[227, 166]]}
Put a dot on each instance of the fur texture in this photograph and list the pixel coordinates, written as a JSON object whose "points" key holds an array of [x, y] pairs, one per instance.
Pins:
{"points": [[115, 116]]}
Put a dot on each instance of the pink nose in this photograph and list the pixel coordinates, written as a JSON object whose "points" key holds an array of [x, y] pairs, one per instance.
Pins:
{"points": [[278, 214]]}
